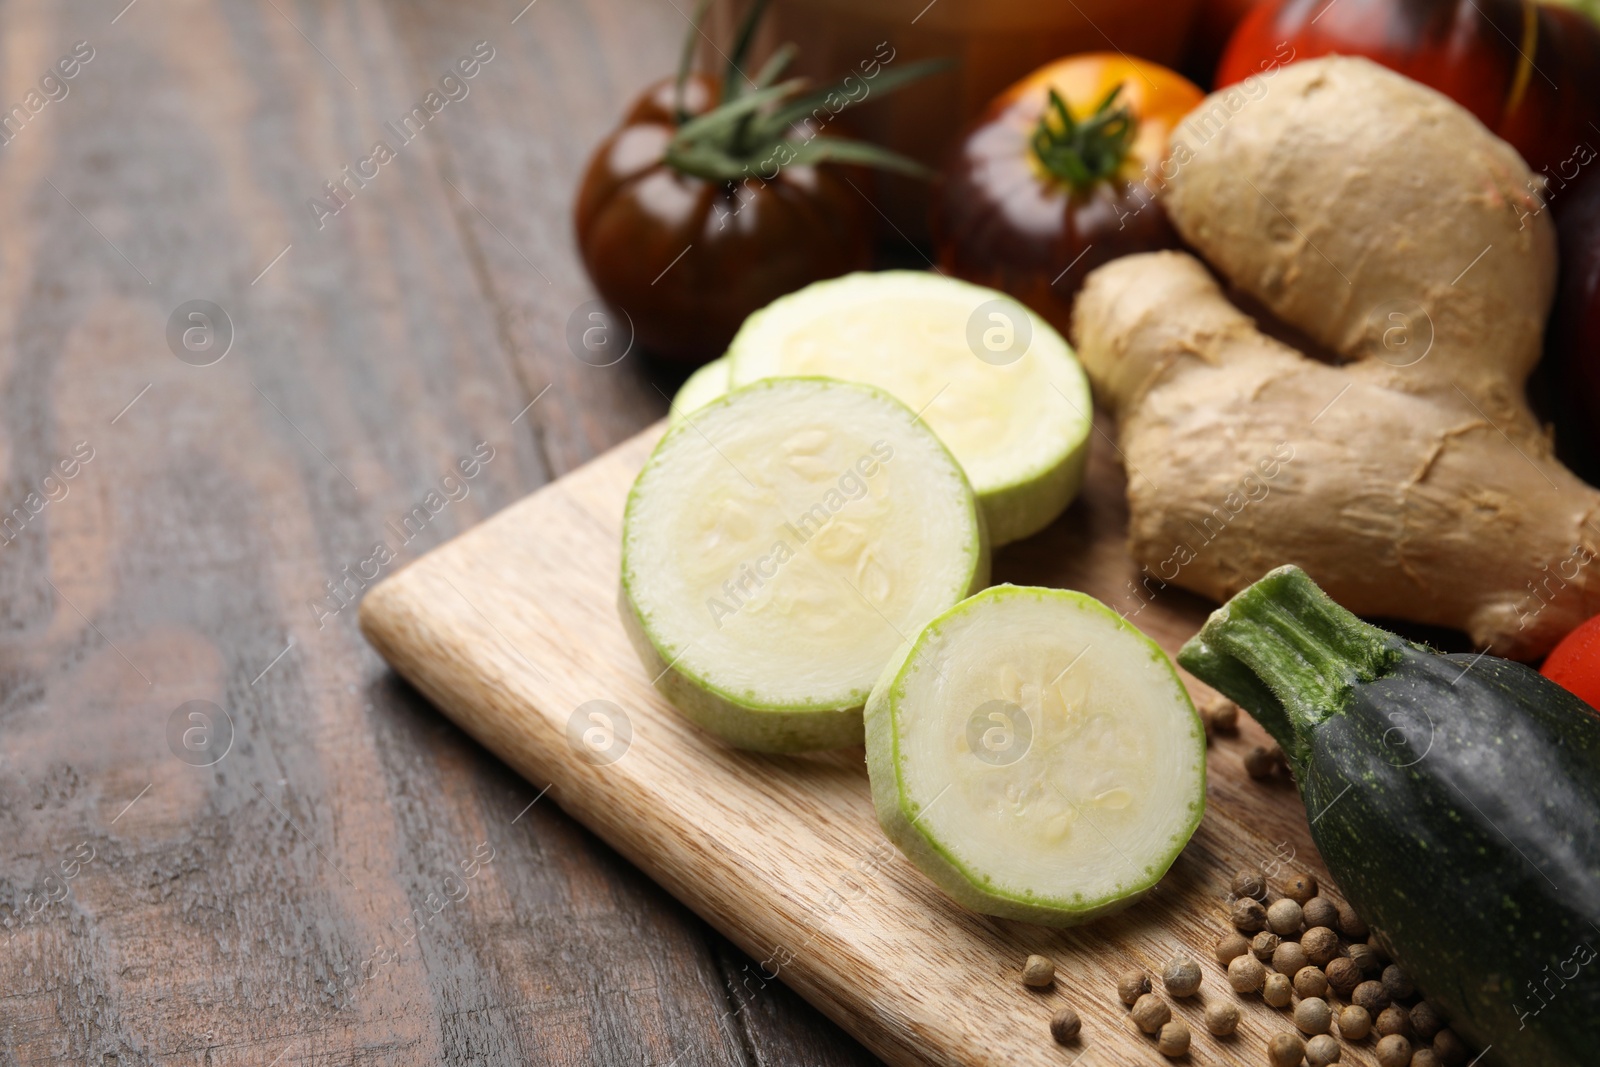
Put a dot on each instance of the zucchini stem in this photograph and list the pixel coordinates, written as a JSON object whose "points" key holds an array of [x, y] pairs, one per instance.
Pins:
{"points": [[1290, 655]]}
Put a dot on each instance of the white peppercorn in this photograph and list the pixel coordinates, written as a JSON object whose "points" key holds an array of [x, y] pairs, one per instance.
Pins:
{"points": [[1290, 957], [1285, 1050], [1393, 1020], [1150, 1013], [1426, 1020], [1182, 977], [1131, 986], [1313, 1016], [1310, 982], [1222, 1017], [1354, 1023], [1321, 945], [1397, 983], [1264, 944], [1230, 948], [1449, 1048], [1322, 1050], [1370, 995], [1247, 914], [1285, 917], [1246, 974], [1319, 911], [1038, 972], [1174, 1039], [1343, 975], [1351, 925], [1248, 883], [1394, 1051], [1300, 887]]}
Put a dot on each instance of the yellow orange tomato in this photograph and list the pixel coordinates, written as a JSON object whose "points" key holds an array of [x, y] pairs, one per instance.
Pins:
{"points": [[1058, 176]]}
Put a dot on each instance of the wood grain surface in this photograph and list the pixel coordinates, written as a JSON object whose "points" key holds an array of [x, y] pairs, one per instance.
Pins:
{"points": [[229, 911], [512, 629]]}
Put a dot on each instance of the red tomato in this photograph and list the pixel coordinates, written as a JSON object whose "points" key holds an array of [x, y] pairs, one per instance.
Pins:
{"points": [[1030, 203], [1575, 663], [1530, 72]]}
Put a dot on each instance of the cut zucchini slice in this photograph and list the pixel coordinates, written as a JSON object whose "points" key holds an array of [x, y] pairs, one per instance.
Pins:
{"points": [[778, 547], [1036, 756], [996, 382], [698, 390]]}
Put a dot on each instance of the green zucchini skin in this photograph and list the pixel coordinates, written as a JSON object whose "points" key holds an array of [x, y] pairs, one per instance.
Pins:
{"points": [[1457, 804], [1455, 800]]}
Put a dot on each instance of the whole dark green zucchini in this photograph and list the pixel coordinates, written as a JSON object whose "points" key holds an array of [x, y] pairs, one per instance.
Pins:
{"points": [[1455, 799]]}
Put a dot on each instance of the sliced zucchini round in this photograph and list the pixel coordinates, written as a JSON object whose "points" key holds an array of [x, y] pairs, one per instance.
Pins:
{"points": [[698, 390], [996, 382], [1036, 756], [778, 547]]}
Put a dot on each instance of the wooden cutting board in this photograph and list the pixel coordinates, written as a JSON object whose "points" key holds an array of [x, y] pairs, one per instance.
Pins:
{"points": [[512, 630]]}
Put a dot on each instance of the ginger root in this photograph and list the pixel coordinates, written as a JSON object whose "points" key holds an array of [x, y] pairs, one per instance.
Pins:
{"points": [[1407, 474]]}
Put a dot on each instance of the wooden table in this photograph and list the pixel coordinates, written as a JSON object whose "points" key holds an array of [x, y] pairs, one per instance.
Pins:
{"points": [[201, 890]]}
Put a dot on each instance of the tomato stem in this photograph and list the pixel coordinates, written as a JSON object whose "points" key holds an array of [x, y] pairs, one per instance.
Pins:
{"points": [[756, 131], [686, 62], [1081, 153]]}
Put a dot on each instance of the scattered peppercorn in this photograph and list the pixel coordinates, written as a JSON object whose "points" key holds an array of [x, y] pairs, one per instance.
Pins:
{"points": [[1397, 983], [1290, 957], [1321, 945], [1064, 1026], [1285, 1050], [1248, 883], [1370, 995], [1231, 948], [1424, 1057], [1247, 915], [1351, 925], [1448, 1047], [1038, 972], [1224, 716], [1150, 1013], [1364, 958], [1354, 1023], [1300, 887], [1276, 990], [1174, 1039], [1426, 1020], [1285, 917], [1313, 1016], [1260, 763], [1264, 944], [1393, 1020], [1394, 1051], [1310, 982], [1131, 986], [1222, 1017], [1319, 911], [1182, 977], [1322, 1050], [1246, 974], [1343, 975]]}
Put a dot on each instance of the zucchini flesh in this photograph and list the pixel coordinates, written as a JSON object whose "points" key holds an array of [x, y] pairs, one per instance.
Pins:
{"points": [[1455, 799], [1036, 756], [1001, 388], [778, 546]]}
